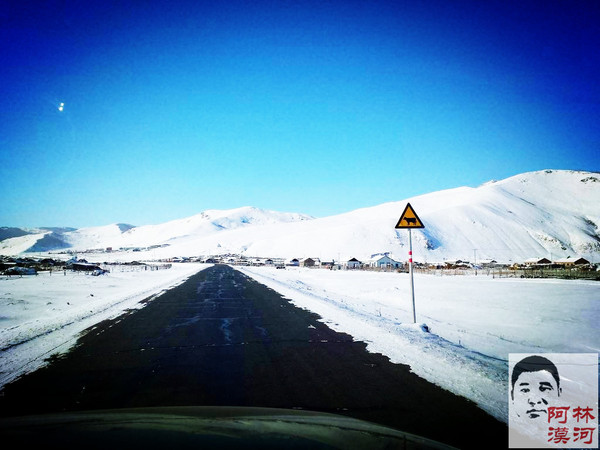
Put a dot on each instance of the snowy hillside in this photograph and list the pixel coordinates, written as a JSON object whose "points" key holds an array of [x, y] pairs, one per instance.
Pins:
{"points": [[206, 223], [549, 214], [120, 235], [539, 214]]}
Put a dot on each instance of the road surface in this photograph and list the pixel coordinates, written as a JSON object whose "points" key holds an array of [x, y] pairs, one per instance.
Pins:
{"points": [[223, 339]]}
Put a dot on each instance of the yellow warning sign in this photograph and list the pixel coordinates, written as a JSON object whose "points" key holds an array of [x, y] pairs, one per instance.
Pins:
{"points": [[409, 219]]}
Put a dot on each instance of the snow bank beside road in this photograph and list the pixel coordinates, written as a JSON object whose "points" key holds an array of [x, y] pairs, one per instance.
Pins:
{"points": [[475, 322], [42, 315]]}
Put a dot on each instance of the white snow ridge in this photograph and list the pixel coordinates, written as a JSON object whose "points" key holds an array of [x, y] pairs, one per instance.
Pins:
{"points": [[551, 213]]}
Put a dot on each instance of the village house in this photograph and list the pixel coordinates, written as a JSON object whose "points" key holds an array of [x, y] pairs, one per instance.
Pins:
{"points": [[353, 263], [309, 262], [384, 261], [488, 263], [531, 262], [571, 262], [456, 264]]}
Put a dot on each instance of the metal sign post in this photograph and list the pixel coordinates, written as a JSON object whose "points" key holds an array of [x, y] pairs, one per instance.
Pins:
{"points": [[410, 220], [410, 270]]}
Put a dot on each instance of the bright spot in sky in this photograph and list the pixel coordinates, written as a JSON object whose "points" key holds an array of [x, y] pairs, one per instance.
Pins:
{"points": [[61, 106]]}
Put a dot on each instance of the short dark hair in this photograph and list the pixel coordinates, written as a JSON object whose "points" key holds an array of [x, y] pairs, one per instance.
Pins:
{"points": [[533, 364]]}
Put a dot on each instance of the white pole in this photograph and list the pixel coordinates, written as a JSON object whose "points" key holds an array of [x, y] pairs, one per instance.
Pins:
{"points": [[410, 269]]}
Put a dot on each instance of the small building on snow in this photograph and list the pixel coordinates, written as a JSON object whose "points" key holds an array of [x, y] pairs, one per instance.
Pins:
{"points": [[570, 262], [537, 261], [353, 263], [385, 262], [310, 262]]}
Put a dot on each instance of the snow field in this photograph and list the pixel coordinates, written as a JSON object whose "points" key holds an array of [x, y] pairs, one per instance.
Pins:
{"points": [[474, 321], [42, 315]]}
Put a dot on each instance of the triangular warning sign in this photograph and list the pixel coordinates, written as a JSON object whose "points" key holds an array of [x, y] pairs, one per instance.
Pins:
{"points": [[409, 219]]}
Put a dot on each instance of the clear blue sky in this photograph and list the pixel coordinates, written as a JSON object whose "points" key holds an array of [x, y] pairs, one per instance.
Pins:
{"points": [[318, 107]]}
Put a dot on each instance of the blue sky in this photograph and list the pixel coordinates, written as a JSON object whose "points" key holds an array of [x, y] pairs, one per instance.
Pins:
{"points": [[171, 108]]}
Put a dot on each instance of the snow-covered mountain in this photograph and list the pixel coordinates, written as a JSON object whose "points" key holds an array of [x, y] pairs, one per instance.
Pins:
{"points": [[552, 213], [206, 223], [122, 235], [539, 214]]}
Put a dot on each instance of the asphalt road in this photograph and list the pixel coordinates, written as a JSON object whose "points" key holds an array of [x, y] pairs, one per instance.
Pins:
{"points": [[222, 339]]}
